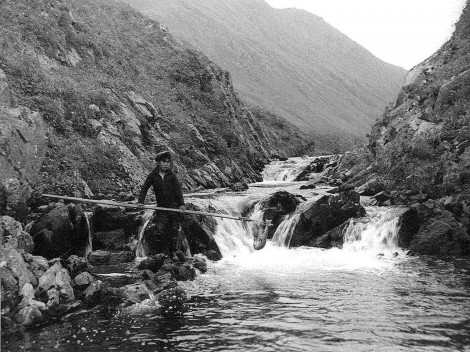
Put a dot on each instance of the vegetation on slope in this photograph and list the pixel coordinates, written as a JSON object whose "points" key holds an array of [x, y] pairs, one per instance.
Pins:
{"points": [[112, 85]]}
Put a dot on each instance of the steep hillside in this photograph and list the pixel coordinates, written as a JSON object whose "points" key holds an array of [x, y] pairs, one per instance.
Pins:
{"points": [[289, 61], [422, 141], [113, 89]]}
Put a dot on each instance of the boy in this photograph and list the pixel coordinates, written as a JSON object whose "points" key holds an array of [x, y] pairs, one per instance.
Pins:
{"points": [[169, 195]]}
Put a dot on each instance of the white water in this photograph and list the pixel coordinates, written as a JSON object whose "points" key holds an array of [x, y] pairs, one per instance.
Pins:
{"points": [[141, 251], [89, 246], [286, 170]]}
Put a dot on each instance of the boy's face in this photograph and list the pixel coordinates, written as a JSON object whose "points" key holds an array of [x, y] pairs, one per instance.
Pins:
{"points": [[164, 164]]}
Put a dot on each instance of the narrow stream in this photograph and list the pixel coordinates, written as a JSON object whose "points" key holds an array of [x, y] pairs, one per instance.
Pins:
{"points": [[368, 296]]}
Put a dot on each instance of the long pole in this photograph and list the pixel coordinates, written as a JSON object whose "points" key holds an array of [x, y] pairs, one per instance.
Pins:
{"points": [[152, 207]]}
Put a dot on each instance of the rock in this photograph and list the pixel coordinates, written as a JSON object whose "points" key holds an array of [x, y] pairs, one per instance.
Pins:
{"points": [[332, 238], [76, 265], [83, 280], [29, 315], [183, 272], [61, 231], [371, 187], [310, 185], [325, 214], [199, 262], [101, 257], [441, 235], [36, 264], [22, 151], [239, 187], [56, 278], [11, 232], [152, 263], [275, 207], [199, 231], [135, 293]]}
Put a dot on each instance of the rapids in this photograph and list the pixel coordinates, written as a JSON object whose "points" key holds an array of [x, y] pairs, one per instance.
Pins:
{"points": [[368, 296]]}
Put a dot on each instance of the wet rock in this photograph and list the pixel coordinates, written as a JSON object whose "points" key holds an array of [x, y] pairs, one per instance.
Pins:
{"points": [[57, 279], [441, 235], [310, 185], [275, 207], [199, 231], [62, 231], [324, 215], [135, 293], [152, 263], [332, 238], [410, 222], [199, 262], [101, 257], [76, 265], [29, 315], [110, 218]]}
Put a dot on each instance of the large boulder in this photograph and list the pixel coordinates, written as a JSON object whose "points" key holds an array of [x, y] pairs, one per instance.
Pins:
{"points": [[441, 235], [55, 286], [275, 207], [199, 231], [325, 214], [61, 232]]}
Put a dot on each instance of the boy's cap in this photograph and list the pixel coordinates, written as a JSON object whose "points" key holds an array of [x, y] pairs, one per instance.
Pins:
{"points": [[163, 155]]}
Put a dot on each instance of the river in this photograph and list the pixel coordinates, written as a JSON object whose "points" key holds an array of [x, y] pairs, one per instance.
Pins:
{"points": [[368, 296]]}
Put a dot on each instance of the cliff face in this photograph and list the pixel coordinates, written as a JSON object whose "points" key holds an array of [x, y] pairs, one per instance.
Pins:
{"points": [[290, 62], [422, 141], [114, 88]]}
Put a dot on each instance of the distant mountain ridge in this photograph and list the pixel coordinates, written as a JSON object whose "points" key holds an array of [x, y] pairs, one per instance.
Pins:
{"points": [[290, 61]]}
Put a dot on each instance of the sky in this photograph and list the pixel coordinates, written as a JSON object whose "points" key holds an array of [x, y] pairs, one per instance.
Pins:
{"points": [[400, 32]]}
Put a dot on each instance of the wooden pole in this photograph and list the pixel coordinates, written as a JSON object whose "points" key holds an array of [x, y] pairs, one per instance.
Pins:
{"points": [[152, 207]]}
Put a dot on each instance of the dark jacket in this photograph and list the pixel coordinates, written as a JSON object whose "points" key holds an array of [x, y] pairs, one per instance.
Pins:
{"points": [[167, 190]]}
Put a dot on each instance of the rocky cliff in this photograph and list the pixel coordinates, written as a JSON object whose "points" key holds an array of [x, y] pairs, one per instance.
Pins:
{"points": [[91, 90], [421, 146], [288, 61]]}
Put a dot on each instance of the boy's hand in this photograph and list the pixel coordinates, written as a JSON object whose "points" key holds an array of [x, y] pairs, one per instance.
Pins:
{"points": [[182, 207]]}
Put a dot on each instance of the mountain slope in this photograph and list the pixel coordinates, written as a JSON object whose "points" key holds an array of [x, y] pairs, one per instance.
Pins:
{"points": [[113, 89], [289, 61]]}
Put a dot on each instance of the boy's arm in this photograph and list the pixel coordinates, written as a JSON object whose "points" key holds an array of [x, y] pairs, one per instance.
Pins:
{"points": [[143, 192]]}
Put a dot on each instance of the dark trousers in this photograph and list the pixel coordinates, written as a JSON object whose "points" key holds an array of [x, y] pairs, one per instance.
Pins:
{"points": [[167, 232]]}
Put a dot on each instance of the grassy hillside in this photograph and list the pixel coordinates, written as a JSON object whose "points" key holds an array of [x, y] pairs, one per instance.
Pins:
{"points": [[115, 88], [289, 61]]}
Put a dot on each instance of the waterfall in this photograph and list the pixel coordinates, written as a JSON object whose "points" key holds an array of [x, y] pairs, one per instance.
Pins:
{"points": [[286, 170], [377, 232], [89, 245], [141, 250]]}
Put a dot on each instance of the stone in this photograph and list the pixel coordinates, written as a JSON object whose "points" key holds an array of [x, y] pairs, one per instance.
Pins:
{"points": [[56, 278], [199, 262], [324, 214], [332, 238], [76, 265], [101, 257], [199, 231], [441, 235], [61, 231], [370, 188], [135, 293], [152, 263], [83, 280]]}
